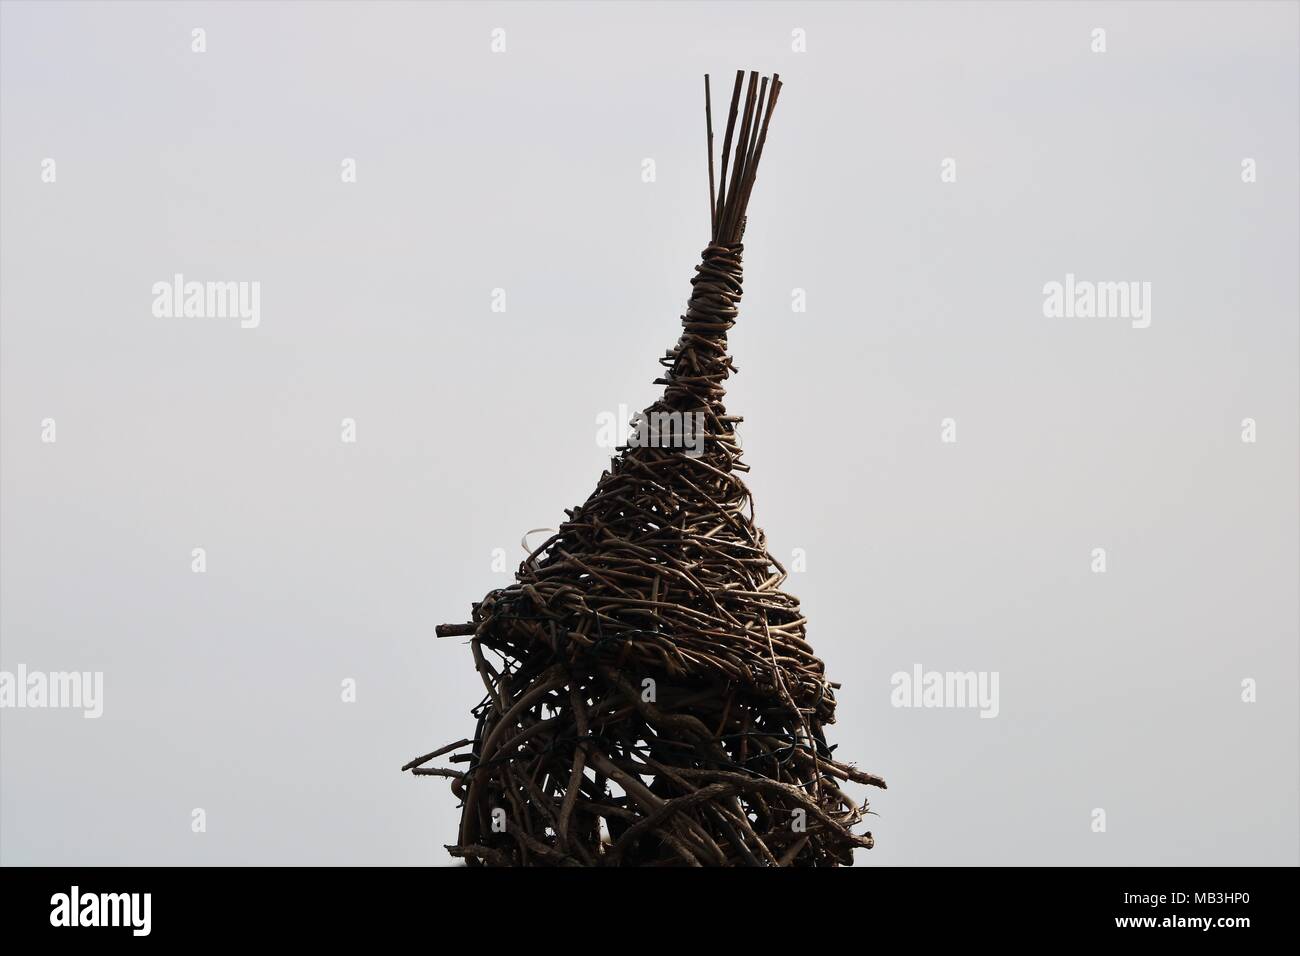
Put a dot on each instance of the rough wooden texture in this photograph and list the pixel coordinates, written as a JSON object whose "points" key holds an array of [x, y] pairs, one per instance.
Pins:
{"points": [[652, 698]]}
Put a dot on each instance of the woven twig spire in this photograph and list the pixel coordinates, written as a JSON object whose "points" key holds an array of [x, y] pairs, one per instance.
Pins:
{"points": [[651, 695]]}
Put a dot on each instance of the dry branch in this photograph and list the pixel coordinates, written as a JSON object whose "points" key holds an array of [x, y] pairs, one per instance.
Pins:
{"points": [[657, 702]]}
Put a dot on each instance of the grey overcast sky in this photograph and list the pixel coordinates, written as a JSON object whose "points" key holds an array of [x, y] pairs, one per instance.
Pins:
{"points": [[329, 561]]}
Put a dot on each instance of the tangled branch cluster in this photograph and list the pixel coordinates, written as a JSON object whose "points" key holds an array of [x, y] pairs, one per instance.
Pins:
{"points": [[651, 698]]}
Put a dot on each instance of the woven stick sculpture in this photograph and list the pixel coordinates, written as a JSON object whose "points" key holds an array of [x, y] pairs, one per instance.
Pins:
{"points": [[651, 697]]}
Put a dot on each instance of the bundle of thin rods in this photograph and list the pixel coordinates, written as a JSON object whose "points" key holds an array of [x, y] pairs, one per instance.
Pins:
{"points": [[651, 698]]}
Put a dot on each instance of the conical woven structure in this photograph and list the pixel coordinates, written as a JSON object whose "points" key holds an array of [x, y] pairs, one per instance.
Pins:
{"points": [[651, 695]]}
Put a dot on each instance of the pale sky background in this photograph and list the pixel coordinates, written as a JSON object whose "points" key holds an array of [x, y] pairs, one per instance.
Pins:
{"points": [[522, 171]]}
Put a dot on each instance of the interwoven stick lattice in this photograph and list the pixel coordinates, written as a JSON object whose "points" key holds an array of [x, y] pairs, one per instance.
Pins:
{"points": [[654, 700]]}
